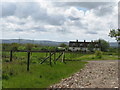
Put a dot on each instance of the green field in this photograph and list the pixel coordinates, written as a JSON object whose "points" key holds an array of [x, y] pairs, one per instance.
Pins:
{"points": [[43, 75]]}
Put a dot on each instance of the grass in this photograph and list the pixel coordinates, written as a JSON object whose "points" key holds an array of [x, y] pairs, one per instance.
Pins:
{"points": [[93, 57], [40, 75], [43, 75]]}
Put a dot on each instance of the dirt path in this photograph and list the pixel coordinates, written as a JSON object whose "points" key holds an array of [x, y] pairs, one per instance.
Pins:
{"points": [[96, 74]]}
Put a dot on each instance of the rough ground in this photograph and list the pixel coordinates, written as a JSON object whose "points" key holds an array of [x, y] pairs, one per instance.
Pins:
{"points": [[96, 74]]}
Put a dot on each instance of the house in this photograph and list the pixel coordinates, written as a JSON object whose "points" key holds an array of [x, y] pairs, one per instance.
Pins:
{"points": [[83, 46]]}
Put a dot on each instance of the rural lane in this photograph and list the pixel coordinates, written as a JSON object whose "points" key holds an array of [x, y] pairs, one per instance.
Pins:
{"points": [[96, 74]]}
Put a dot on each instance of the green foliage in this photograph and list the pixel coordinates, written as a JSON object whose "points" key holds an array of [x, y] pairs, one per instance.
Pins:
{"points": [[91, 47], [115, 33], [98, 54], [29, 46], [43, 49], [14, 46], [5, 76], [21, 48], [5, 46], [63, 45], [23, 62], [7, 60], [113, 49], [51, 48], [41, 75], [104, 45], [11, 72]]}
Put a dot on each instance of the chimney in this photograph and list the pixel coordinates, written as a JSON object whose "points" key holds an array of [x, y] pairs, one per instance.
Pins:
{"points": [[76, 40], [84, 40]]}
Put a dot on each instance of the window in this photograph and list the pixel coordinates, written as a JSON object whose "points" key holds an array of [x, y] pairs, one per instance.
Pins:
{"points": [[96, 45], [81, 44], [73, 44]]}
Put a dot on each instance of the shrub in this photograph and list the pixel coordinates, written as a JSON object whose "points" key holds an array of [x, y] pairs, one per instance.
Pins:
{"points": [[7, 60], [98, 54], [21, 48], [29, 46], [93, 58], [11, 72], [14, 46], [5, 76]]}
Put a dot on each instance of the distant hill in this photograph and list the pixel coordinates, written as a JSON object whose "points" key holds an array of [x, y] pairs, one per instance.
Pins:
{"points": [[113, 44], [41, 42]]}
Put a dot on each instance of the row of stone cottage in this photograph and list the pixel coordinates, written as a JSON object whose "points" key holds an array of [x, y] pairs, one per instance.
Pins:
{"points": [[83, 46]]}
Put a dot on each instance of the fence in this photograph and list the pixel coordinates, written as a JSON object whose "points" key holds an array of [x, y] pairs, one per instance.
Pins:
{"points": [[51, 53]]}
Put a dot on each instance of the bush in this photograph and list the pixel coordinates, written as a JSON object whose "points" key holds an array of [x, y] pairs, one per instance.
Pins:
{"points": [[21, 48], [7, 60], [11, 72], [14, 46], [98, 54], [5, 76]]}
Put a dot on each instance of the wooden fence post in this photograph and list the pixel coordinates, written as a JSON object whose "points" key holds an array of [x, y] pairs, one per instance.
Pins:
{"points": [[11, 56], [54, 57], [28, 61], [50, 59], [62, 56]]}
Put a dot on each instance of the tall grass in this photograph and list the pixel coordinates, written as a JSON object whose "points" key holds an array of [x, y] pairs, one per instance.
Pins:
{"points": [[43, 75]]}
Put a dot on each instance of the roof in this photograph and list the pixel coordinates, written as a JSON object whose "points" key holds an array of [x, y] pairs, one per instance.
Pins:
{"points": [[82, 44]]}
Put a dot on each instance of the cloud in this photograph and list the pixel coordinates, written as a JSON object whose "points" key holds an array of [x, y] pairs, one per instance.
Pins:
{"points": [[87, 5], [37, 12], [91, 32], [58, 20], [18, 30], [8, 9], [104, 10]]}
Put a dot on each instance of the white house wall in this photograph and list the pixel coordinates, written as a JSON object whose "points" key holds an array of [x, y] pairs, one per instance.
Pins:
{"points": [[81, 48]]}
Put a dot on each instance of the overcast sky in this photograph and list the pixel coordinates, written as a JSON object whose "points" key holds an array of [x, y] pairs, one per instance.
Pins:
{"points": [[58, 21]]}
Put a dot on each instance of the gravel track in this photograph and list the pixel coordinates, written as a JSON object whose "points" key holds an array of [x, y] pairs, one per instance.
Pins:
{"points": [[96, 74]]}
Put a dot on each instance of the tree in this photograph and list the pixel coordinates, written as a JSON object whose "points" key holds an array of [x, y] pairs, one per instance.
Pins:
{"points": [[14, 46], [104, 45], [91, 47], [21, 47], [63, 45], [29, 46], [6, 46], [115, 33]]}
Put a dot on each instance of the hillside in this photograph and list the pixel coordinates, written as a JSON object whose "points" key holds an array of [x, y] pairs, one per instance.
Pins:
{"points": [[43, 42]]}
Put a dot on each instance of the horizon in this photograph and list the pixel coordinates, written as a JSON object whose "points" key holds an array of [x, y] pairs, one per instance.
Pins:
{"points": [[54, 40]]}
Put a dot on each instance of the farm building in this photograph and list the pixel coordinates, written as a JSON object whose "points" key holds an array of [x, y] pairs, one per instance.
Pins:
{"points": [[83, 46]]}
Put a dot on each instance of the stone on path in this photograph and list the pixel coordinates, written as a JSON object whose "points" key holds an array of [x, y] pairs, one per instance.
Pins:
{"points": [[96, 74]]}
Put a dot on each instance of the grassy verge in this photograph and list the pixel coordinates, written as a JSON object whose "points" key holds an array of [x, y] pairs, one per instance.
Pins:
{"points": [[39, 76], [104, 56]]}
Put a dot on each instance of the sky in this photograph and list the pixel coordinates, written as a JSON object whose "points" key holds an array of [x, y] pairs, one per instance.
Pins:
{"points": [[58, 20]]}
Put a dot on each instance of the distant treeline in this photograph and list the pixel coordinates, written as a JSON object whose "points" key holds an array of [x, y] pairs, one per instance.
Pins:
{"points": [[29, 46]]}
